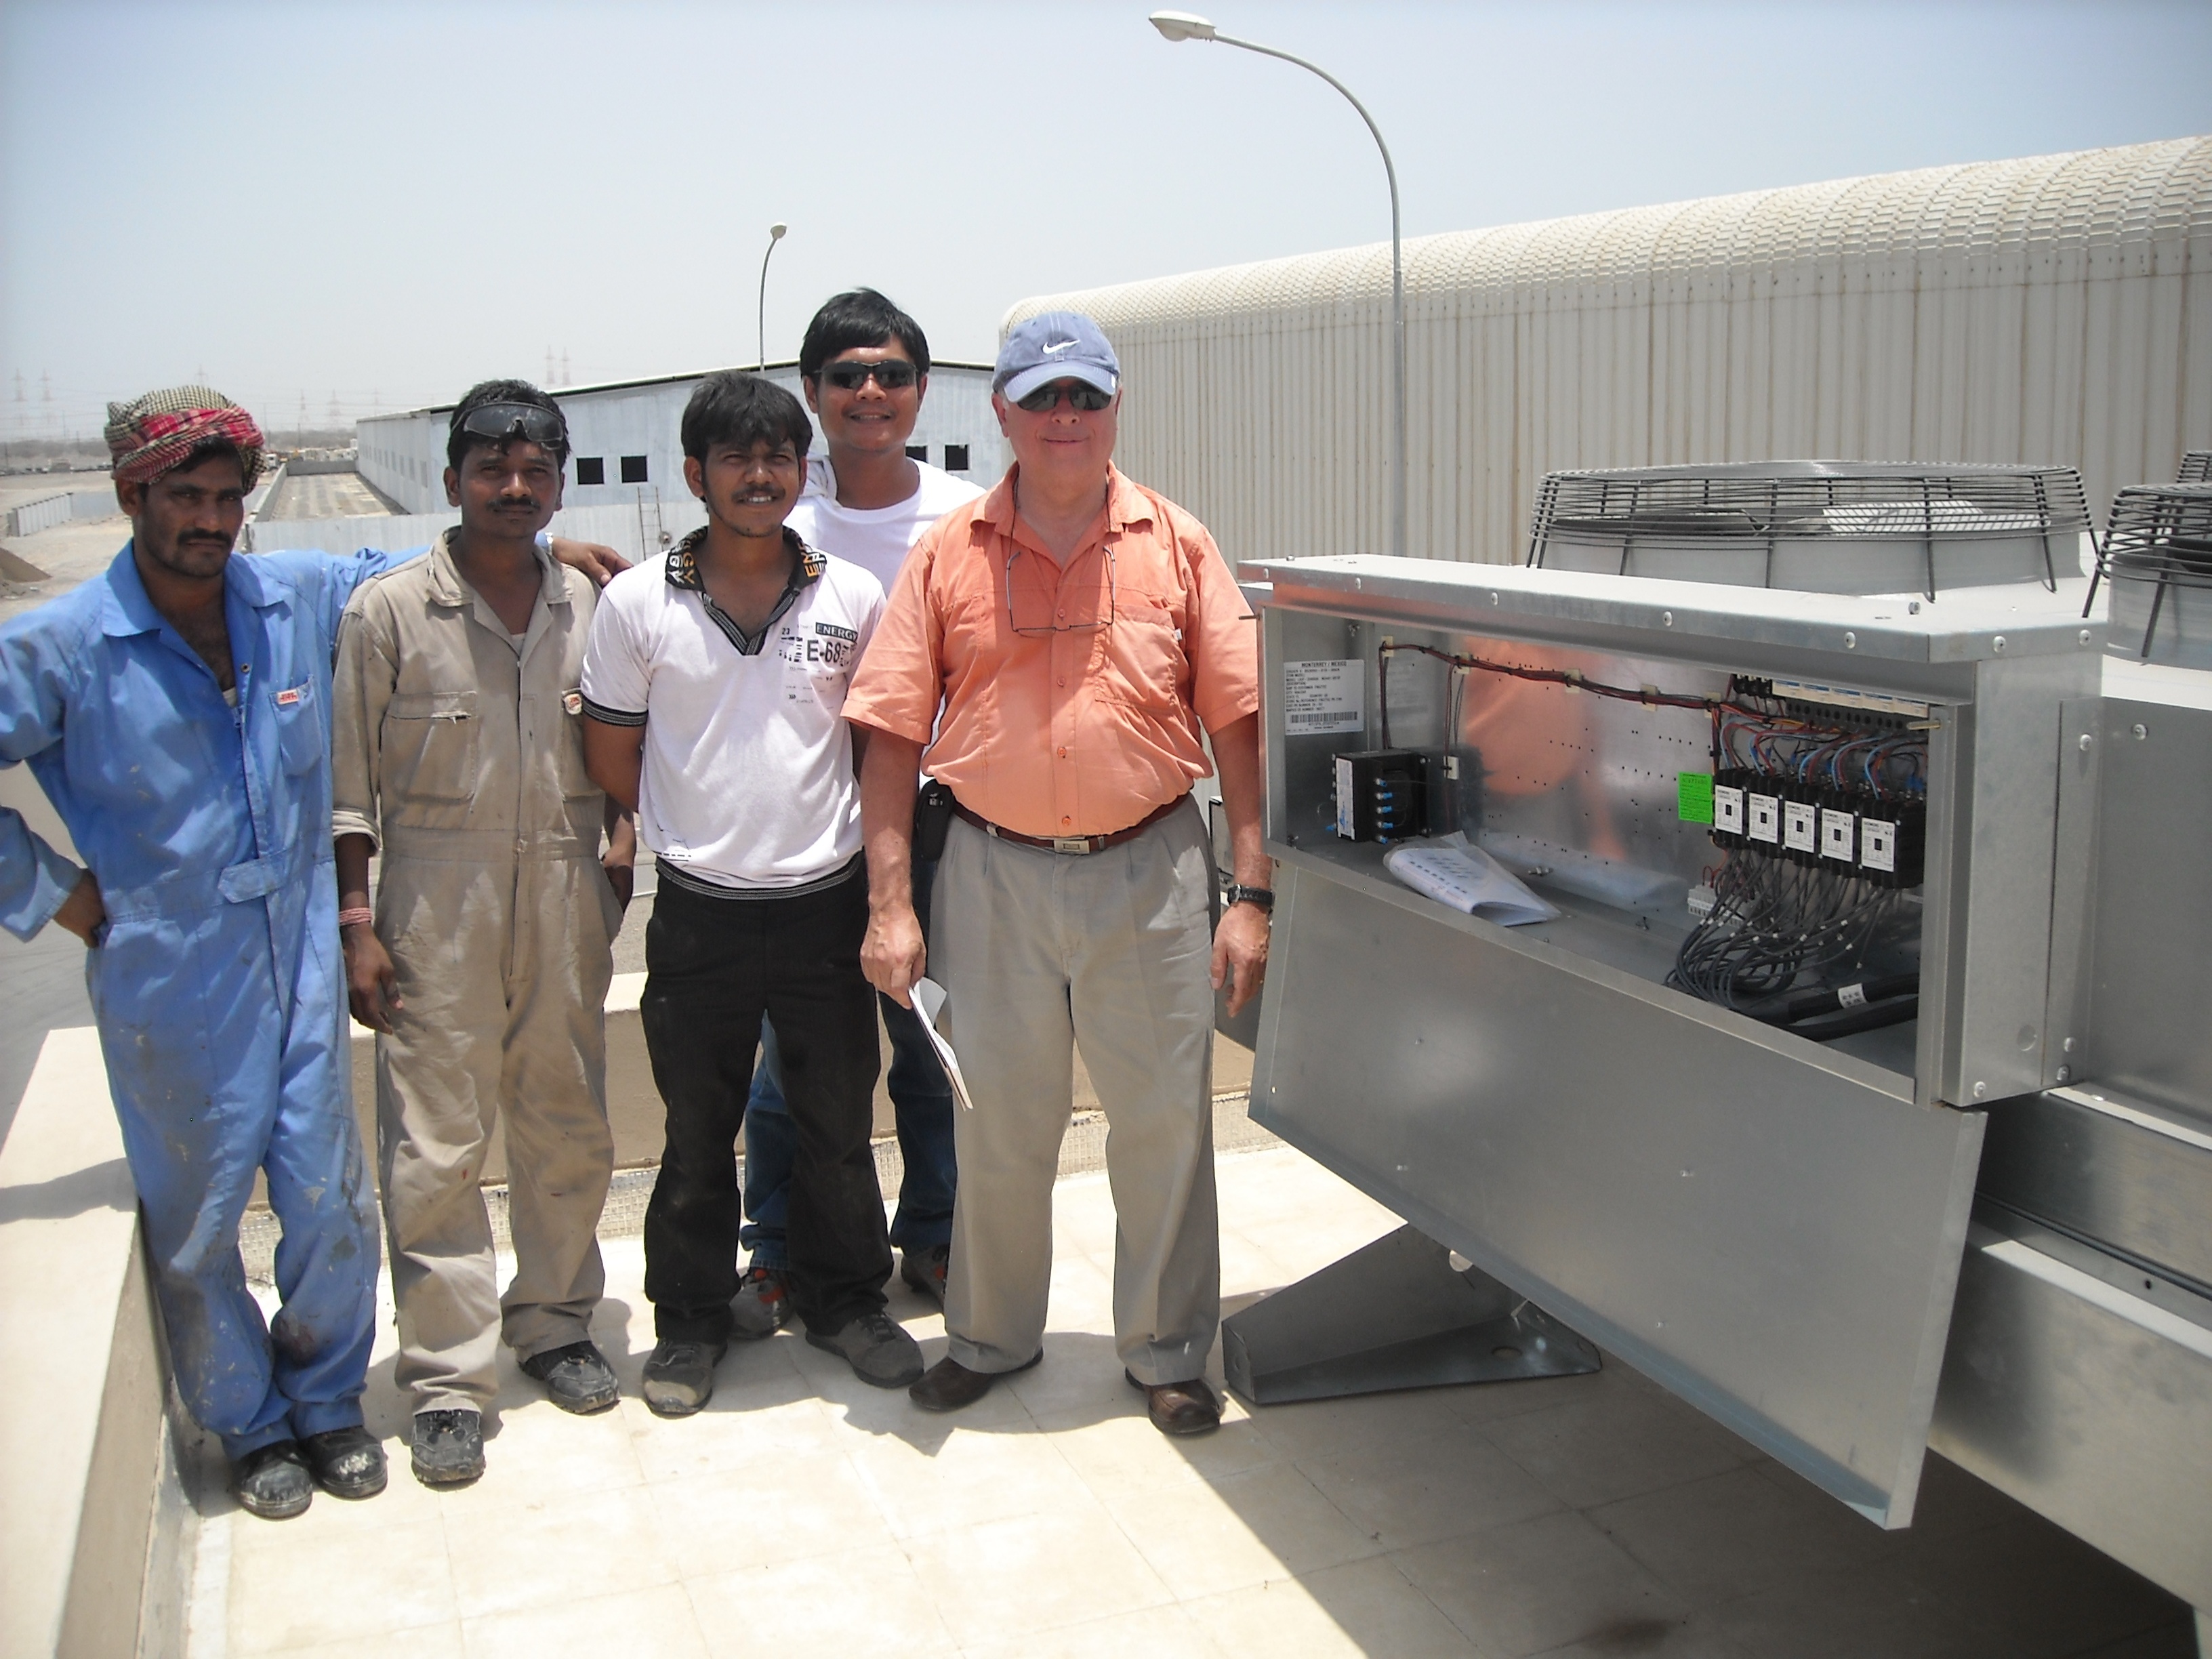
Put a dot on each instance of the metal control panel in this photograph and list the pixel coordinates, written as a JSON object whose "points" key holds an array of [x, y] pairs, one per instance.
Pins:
{"points": [[1763, 1210]]}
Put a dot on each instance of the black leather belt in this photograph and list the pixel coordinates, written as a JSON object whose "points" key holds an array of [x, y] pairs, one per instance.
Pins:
{"points": [[1070, 843]]}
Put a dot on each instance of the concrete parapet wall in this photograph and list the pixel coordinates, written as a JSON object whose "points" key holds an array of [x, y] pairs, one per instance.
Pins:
{"points": [[634, 532], [93, 1524]]}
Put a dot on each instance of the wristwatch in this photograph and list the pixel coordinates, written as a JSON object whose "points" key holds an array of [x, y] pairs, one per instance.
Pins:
{"points": [[1261, 897]]}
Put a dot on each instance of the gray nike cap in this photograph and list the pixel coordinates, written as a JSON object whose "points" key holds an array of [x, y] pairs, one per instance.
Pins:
{"points": [[1055, 345]]}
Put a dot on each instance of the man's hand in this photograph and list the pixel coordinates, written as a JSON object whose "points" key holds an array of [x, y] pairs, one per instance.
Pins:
{"points": [[1240, 949], [893, 955], [602, 564], [620, 860], [81, 912], [372, 983]]}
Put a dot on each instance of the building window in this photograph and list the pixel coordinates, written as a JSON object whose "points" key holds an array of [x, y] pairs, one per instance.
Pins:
{"points": [[955, 458], [633, 469], [591, 469], [917, 451]]}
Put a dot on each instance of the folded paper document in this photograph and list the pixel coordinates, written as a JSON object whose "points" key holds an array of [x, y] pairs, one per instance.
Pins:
{"points": [[929, 1002], [1451, 872]]}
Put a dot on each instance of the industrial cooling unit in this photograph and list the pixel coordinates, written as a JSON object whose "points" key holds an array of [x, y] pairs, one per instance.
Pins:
{"points": [[1850, 883]]}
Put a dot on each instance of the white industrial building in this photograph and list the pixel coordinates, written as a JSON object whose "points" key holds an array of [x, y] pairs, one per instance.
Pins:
{"points": [[627, 459], [2052, 310]]}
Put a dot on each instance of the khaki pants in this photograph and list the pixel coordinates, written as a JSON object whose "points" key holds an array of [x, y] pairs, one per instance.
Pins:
{"points": [[1039, 952], [503, 966]]}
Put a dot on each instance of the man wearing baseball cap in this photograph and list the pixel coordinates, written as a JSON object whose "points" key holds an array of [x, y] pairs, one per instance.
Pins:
{"points": [[1064, 649]]}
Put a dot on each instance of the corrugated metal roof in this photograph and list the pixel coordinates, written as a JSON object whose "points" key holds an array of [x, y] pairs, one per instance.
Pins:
{"points": [[2055, 309]]}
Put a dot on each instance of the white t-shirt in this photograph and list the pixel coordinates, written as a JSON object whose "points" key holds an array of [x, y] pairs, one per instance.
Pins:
{"points": [[878, 538], [748, 783]]}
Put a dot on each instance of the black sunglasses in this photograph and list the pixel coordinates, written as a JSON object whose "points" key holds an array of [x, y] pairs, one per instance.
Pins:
{"points": [[1081, 393], [892, 373], [505, 422]]}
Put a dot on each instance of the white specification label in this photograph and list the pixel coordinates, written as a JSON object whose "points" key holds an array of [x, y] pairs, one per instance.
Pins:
{"points": [[1836, 834], [1799, 833], [1765, 824], [1322, 697], [1877, 845], [1727, 809]]}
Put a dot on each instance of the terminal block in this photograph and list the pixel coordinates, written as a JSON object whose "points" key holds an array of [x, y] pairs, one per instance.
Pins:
{"points": [[1382, 794]]}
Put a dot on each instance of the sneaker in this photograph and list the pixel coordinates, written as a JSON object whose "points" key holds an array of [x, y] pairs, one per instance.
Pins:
{"points": [[924, 1268], [345, 1462], [878, 1352], [448, 1448], [272, 1481], [763, 1304], [679, 1377], [577, 1377]]}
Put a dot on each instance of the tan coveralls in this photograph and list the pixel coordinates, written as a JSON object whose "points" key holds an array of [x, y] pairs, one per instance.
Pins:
{"points": [[460, 750]]}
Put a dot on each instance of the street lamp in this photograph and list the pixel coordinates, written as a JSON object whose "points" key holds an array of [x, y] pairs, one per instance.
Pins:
{"points": [[1186, 26], [774, 235]]}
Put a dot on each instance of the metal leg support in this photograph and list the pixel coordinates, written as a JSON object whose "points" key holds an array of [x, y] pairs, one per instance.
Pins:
{"points": [[1395, 1314]]}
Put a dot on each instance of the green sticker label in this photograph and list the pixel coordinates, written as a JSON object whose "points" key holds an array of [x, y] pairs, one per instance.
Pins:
{"points": [[1694, 797]]}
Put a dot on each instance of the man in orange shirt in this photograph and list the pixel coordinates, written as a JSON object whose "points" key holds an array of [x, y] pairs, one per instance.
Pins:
{"points": [[1082, 637]]}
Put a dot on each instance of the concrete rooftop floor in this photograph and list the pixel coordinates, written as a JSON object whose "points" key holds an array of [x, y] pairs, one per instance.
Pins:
{"points": [[805, 1513]]}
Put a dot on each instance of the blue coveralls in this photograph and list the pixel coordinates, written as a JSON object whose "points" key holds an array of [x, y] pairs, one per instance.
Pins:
{"points": [[217, 986]]}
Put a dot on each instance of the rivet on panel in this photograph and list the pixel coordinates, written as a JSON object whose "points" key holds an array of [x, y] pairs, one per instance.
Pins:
{"points": [[1997, 644], [2083, 636], [2141, 730], [1493, 598], [1850, 641], [1668, 617], [2068, 1045], [1980, 1089], [2066, 1075], [2086, 741]]}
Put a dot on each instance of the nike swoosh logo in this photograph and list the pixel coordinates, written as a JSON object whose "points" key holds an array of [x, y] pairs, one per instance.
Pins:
{"points": [[1060, 346]]}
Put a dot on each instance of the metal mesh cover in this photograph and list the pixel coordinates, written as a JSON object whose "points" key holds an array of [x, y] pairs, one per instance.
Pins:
{"points": [[1749, 505], [2161, 537]]}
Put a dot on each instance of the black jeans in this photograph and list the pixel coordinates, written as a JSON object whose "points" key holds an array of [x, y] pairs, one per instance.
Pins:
{"points": [[713, 967]]}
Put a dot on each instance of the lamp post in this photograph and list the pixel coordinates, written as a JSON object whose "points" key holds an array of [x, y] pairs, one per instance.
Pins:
{"points": [[1186, 26], [774, 235]]}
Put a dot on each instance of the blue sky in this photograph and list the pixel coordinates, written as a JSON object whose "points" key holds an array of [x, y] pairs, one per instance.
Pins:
{"points": [[381, 203]]}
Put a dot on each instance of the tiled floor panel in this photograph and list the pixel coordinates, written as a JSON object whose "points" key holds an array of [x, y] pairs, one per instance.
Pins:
{"points": [[805, 1514]]}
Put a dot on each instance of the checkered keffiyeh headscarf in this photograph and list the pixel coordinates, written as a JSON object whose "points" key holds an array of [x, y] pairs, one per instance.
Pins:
{"points": [[153, 434]]}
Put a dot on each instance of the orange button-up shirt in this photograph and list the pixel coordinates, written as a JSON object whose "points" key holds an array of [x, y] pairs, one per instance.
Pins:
{"points": [[1054, 725]]}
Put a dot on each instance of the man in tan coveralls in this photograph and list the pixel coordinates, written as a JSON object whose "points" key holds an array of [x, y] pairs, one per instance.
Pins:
{"points": [[484, 968]]}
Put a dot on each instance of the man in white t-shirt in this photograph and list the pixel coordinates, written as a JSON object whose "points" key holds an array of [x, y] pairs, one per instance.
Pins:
{"points": [[864, 365], [713, 689]]}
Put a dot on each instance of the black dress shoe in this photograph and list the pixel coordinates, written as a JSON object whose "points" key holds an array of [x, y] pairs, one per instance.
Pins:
{"points": [[1186, 1407], [948, 1385], [272, 1481], [345, 1462]]}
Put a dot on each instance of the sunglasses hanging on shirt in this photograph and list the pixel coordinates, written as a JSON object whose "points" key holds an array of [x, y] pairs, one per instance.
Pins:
{"points": [[1084, 396], [892, 373]]}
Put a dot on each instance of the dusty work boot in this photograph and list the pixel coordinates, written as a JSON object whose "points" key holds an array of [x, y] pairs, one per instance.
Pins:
{"points": [[879, 1352], [679, 1377], [448, 1448], [272, 1481], [762, 1306], [576, 1376], [345, 1462], [925, 1269]]}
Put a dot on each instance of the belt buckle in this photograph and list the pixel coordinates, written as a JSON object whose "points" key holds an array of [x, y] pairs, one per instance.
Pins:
{"points": [[1070, 843]]}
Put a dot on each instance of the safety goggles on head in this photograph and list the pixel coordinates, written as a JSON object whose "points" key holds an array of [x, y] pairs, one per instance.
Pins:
{"points": [[892, 373], [1081, 393], [504, 422]]}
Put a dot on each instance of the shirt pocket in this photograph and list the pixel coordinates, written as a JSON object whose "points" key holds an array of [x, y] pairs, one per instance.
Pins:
{"points": [[301, 743], [1141, 657], [429, 742]]}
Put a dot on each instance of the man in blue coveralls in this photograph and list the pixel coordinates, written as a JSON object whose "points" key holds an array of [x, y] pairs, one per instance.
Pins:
{"points": [[176, 711]]}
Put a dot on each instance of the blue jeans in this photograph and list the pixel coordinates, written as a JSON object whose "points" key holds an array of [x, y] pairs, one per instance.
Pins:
{"points": [[921, 1100]]}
